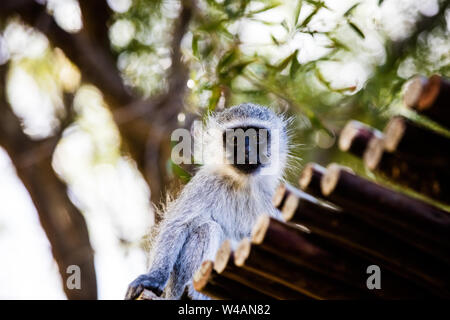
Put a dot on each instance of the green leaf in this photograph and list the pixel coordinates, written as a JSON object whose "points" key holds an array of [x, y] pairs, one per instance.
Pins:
{"points": [[227, 58], [267, 23], [338, 44], [322, 79], [308, 18], [180, 172], [214, 99], [237, 68], [380, 2], [213, 25], [317, 4], [295, 66], [285, 25], [195, 45], [283, 64], [270, 6], [356, 29], [228, 74], [349, 11], [298, 9], [274, 40]]}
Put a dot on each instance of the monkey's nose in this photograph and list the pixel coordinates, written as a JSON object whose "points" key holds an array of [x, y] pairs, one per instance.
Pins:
{"points": [[251, 159], [247, 168]]}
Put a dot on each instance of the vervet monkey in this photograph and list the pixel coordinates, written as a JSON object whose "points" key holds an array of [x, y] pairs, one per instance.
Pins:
{"points": [[221, 201]]}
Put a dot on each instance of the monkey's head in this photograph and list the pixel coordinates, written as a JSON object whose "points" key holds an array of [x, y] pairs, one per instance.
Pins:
{"points": [[245, 142]]}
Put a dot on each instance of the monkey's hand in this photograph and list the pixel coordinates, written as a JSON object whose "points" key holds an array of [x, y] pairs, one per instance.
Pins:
{"points": [[142, 282]]}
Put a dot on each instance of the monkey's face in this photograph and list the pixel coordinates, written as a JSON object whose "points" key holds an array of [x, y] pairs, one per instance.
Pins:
{"points": [[247, 148], [245, 142]]}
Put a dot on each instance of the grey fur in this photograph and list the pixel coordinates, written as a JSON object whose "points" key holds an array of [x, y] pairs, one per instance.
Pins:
{"points": [[218, 203]]}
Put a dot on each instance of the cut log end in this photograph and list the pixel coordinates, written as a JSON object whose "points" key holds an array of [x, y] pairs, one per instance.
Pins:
{"points": [[242, 252], [422, 92], [413, 91], [307, 174], [430, 92], [260, 229], [347, 135], [222, 256], [330, 179], [290, 206], [374, 152], [279, 194], [201, 276], [393, 133]]}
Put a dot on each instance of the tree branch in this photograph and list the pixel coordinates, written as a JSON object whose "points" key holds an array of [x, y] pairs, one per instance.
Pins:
{"points": [[86, 48], [144, 124], [63, 224]]}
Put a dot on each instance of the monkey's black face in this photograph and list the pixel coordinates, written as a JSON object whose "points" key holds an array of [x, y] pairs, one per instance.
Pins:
{"points": [[247, 148]]}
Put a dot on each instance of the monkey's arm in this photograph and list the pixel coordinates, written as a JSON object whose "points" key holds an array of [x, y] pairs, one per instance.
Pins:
{"points": [[166, 249]]}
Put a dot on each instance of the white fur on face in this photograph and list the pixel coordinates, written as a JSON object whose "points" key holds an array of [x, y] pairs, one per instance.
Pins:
{"points": [[213, 156]]}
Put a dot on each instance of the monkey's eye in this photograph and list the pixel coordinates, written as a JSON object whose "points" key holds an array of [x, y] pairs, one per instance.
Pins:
{"points": [[253, 133], [246, 137]]}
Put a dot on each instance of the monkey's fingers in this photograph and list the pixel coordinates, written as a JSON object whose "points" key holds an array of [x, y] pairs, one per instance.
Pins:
{"points": [[133, 292], [137, 287]]}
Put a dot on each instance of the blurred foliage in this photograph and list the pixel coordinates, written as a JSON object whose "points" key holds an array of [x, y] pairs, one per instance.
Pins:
{"points": [[224, 71], [300, 65]]}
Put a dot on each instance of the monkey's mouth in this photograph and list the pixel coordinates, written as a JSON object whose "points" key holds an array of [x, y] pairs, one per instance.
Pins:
{"points": [[247, 168], [247, 148]]}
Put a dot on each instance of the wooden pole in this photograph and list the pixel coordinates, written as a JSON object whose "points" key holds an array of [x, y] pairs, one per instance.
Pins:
{"points": [[421, 224], [298, 278], [314, 252], [310, 179], [424, 179], [225, 266], [416, 143], [212, 284], [284, 190], [374, 153], [299, 247], [279, 196], [355, 137], [430, 97], [346, 231]]}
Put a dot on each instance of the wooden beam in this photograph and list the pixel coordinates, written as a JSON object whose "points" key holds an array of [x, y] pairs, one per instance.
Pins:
{"points": [[344, 230], [355, 137], [207, 281], [310, 178], [304, 280], [417, 143], [316, 253], [422, 178], [429, 97], [225, 266], [419, 223]]}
